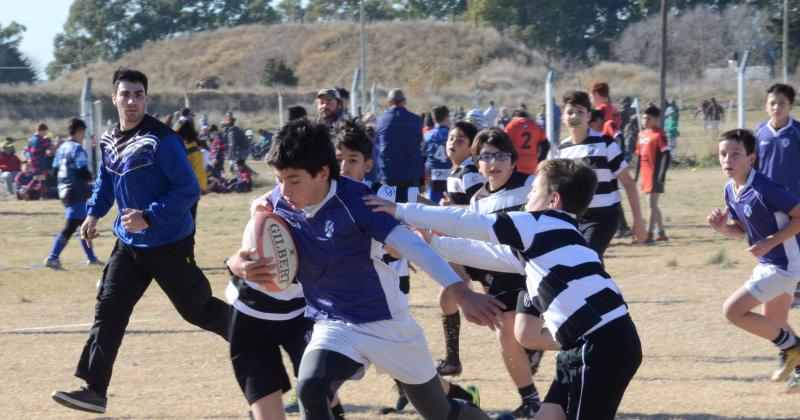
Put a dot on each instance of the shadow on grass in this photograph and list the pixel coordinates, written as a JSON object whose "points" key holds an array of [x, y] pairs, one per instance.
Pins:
{"points": [[31, 213], [83, 332], [688, 416], [665, 302]]}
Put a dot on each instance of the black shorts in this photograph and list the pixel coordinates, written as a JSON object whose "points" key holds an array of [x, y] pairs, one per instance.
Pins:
{"points": [[505, 288], [255, 352], [525, 305], [598, 226], [591, 377], [658, 188]]}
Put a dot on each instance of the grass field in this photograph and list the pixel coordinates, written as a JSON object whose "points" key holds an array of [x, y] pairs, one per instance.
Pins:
{"points": [[696, 365]]}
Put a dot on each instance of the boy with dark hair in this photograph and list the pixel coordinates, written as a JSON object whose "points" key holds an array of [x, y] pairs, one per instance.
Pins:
{"points": [[437, 164], [154, 189], [529, 139], [361, 316], [353, 151], [74, 189], [599, 347], [596, 120], [769, 216], [778, 139], [599, 224], [654, 158], [464, 179]]}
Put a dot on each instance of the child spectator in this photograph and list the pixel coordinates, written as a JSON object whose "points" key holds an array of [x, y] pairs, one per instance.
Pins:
{"points": [[26, 184], [185, 129], [437, 165], [671, 128], [10, 165], [219, 147], [530, 141], [654, 158], [243, 181], [38, 153], [768, 215]]}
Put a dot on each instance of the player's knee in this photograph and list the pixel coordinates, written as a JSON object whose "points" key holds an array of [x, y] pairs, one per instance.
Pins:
{"points": [[312, 392], [730, 311]]}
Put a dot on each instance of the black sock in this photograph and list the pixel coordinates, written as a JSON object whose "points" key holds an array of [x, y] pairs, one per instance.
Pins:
{"points": [[452, 330], [338, 410], [785, 340], [527, 392], [99, 390], [458, 392]]}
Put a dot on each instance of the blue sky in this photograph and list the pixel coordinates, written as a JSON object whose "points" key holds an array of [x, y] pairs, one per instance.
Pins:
{"points": [[43, 20]]}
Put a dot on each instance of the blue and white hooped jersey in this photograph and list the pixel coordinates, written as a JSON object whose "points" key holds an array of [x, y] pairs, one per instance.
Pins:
{"points": [[436, 160], [762, 207], [778, 153], [340, 243]]}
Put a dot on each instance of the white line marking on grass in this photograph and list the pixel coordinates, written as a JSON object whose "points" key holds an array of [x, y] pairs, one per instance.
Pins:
{"points": [[55, 327]]}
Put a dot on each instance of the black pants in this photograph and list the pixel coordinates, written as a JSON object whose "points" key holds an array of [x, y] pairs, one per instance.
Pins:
{"points": [[127, 275], [598, 227], [322, 372]]}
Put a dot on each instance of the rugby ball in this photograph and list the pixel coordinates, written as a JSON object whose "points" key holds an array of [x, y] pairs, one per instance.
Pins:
{"points": [[270, 236]]}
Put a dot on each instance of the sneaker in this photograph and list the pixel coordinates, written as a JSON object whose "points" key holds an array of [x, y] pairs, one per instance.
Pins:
{"points": [[793, 384], [96, 261], [446, 368], [291, 405], [528, 409], [472, 390], [53, 263], [84, 399], [661, 237], [788, 360]]}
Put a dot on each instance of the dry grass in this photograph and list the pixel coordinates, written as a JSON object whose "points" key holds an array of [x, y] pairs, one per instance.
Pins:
{"points": [[696, 365]]}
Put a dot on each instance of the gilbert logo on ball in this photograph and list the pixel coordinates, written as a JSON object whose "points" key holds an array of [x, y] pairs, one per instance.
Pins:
{"points": [[270, 236]]}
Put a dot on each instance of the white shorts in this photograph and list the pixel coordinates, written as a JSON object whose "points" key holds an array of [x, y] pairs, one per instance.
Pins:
{"points": [[397, 347], [768, 282]]}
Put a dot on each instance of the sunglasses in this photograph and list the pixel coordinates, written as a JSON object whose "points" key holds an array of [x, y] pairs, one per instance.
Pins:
{"points": [[499, 156]]}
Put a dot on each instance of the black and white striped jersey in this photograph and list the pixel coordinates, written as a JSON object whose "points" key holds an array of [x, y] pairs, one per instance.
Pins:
{"points": [[251, 299], [564, 277], [513, 196], [604, 155], [510, 197], [463, 182]]}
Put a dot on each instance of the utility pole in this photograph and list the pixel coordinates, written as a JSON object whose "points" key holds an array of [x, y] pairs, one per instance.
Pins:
{"points": [[663, 65], [363, 41], [785, 41]]}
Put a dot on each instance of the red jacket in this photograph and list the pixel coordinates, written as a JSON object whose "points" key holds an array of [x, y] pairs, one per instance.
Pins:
{"points": [[9, 162]]}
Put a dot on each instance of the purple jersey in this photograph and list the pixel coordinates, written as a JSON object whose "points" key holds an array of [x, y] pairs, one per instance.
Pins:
{"points": [[778, 153], [336, 242], [762, 207]]}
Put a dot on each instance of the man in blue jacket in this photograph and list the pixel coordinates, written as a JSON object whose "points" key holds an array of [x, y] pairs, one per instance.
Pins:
{"points": [[145, 169], [400, 140]]}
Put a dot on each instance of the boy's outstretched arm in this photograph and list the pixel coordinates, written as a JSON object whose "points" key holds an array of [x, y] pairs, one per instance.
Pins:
{"points": [[453, 221], [718, 219], [760, 248], [478, 308], [478, 254]]}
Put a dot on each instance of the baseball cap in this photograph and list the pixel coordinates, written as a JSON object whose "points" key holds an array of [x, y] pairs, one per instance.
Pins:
{"points": [[396, 95], [331, 93]]}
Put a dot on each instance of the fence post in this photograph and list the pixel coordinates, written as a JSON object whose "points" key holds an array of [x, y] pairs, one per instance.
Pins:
{"points": [[280, 108], [86, 116], [742, 68], [98, 132], [548, 113], [354, 94], [372, 99]]}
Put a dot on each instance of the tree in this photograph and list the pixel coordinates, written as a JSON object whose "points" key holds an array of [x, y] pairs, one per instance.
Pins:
{"points": [[432, 9], [291, 10], [276, 72], [10, 56]]}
